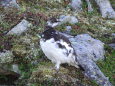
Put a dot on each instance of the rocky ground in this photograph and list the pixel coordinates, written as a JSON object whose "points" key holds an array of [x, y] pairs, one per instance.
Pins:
{"points": [[21, 58]]}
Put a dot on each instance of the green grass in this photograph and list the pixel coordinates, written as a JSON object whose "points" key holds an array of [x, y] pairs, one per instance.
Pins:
{"points": [[108, 66]]}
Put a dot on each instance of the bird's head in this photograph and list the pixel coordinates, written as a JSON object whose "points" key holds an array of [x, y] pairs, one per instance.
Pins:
{"points": [[53, 22], [48, 33]]}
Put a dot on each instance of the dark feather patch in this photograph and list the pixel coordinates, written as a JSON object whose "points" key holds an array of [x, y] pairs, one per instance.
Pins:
{"points": [[60, 45], [63, 47], [51, 33]]}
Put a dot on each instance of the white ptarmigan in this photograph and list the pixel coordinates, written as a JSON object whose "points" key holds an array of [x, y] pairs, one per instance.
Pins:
{"points": [[57, 48]]}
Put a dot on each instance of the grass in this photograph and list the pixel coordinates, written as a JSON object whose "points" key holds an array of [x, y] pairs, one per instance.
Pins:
{"points": [[108, 66]]}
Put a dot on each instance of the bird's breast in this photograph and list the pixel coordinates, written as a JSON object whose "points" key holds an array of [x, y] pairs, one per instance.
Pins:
{"points": [[53, 52]]}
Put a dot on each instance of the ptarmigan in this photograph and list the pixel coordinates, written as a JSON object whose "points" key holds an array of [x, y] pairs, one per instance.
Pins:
{"points": [[57, 48]]}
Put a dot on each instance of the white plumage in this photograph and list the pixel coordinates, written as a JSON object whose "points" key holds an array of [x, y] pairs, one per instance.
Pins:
{"points": [[57, 48]]}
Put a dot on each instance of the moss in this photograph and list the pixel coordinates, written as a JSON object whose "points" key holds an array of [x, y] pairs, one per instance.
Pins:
{"points": [[19, 50]]}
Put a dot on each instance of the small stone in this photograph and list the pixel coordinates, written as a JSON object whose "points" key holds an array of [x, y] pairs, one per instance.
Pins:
{"points": [[20, 28], [113, 34], [68, 28], [16, 68], [112, 45]]}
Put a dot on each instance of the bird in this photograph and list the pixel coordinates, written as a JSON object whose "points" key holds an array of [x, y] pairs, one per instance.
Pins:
{"points": [[58, 48]]}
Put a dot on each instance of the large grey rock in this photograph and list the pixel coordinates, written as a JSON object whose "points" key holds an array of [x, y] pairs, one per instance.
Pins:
{"points": [[93, 48], [84, 44], [76, 5], [9, 3], [106, 8], [20, 28], [88, 51]]}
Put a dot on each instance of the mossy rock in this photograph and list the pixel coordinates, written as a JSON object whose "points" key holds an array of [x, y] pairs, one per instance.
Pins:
{"points": [[6, 57]]}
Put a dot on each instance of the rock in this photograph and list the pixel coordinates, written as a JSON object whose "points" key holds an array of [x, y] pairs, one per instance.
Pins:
{"points": [[7, 77], [112, 45], [106, 9], [15, 68], [113, 34], [84, 44], [68, 29], [68, 19], [6, 57], [93, 48], [88, 51], [9, 3], [112, 42], [53, 22], [92, 71], [46, 75], [20, 28], [76, 5], [90, 9]]}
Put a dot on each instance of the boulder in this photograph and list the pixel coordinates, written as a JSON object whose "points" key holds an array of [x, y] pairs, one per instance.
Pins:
{"points": [[76, 5], [20, 28], [9, 3], [88, 51]]}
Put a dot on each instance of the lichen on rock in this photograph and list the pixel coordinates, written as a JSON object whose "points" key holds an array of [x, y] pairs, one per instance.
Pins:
{"points": [[6, 57]]}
